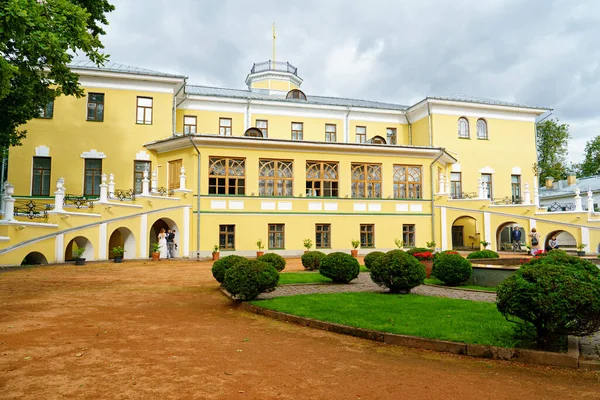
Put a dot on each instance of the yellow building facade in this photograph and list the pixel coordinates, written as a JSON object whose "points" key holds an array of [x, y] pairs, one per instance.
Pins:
{"points": [[144, 151]]}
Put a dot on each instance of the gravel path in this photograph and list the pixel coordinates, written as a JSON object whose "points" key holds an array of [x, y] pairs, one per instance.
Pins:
{"points": [[589, 346]]}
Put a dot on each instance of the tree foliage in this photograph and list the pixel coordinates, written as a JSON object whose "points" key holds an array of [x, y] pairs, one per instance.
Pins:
{"points": [[38, 39], [552, 146], [591, 163]]}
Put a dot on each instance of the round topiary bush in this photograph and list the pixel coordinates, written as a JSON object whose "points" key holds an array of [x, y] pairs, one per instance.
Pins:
{"points": [[452, 269], [398, 271], [339, 267], [222, 265], [311, 260], [274, 260], [439, 253], [372, 258], [418, 250], [558, 294], [483, 254], [249, 278]]}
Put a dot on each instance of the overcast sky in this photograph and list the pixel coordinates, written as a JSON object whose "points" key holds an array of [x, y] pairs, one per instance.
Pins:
{"points": [[537, 52]]}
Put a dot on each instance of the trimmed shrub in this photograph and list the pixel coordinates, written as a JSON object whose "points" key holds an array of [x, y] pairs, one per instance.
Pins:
{"points": [[222, 265], [398, 271], [249, 278], [372, 258], [275, 260], [558, 294], [439, 253], [311, 260], [339, 267], [418, 250], [452, 269], [483, 254]]}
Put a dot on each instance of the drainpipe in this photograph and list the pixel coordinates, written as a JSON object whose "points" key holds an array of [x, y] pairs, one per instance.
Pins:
{"points": [[248, 118], [175, 105], [409, 129], [430, 124], [347, 127], [432, 195], [197, 200]]}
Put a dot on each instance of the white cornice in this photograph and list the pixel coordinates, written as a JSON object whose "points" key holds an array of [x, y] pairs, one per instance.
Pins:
{"points": [[124, 76], [122, 84], [215, 141]]}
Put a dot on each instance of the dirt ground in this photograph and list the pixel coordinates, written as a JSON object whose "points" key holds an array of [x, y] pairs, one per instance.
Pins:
{"points": [[143, 330]]}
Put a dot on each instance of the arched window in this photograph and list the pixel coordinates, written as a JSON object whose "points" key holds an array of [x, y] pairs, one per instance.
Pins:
{"points": [[482, 132], [253, 132], [463, 128], [377, 140], [296, 94]]}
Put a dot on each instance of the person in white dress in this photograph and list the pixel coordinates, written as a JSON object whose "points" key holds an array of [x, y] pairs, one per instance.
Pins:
{"points": [[162, 242]]}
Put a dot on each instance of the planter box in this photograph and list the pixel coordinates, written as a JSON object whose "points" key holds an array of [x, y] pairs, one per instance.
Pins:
{"points": [[80, 261], [428, 267], [118, 259]]}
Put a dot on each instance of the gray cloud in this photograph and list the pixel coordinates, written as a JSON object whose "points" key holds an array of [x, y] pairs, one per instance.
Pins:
{"points": [[535, 52]]}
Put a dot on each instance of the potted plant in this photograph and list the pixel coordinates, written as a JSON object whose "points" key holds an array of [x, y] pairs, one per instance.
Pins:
{"points": [[215, 253], [155, 251], [484, 244], [580, 249], [118, 253], [426, 259], [260, 246], [78, 253], [354, 251], [307, 245], [399, 243]]}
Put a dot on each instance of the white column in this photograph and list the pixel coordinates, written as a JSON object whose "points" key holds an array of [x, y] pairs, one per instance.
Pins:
{"points": [[145, 184], [578, 206], [111, 185], [527, 199], [59, 244], [59, 195], [185, 243], [536, 196], [154, 189], [480, 188], [9, 203], [532, 224], [444, 228], [143, 237], [182, 179], [103, 190], [441, 184], [102, 246], [585, 238], [487, 229], [590, 201]]}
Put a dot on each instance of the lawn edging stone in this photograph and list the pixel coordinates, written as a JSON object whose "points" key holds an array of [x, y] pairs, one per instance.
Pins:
{"points": [[459, 288], [569, 359]]}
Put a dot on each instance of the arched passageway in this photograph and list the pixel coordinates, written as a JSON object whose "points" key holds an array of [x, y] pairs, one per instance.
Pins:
{"points": [[465, 235], [504, 236], [79, 242], [565, 240], [35, 258], [166, 224], [122, 237]]}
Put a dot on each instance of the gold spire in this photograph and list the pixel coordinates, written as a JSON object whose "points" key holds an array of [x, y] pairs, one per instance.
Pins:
{"points": [[274, 37]]}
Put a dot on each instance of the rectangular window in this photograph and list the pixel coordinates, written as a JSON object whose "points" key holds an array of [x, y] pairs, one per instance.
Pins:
{"points": [[515, 184], [93, 174], [226, 175], [225, 126], [174, 172], [361, 134], [366, 180], [330, 133], [367, 235], [144, 110], [276, 236], [392, 135], [46, 112], [41, 176], [138, 174], [95, 107], [408, 182], [227, 237], [276, 177], [408, 235], [190, 124], [455, 185], [263, 125], [297, 131], [322, 179], [323, 236], [487, 181]]}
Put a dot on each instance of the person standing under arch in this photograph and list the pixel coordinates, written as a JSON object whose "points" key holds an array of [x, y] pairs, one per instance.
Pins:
{"points": [[534, 240], [162, 243]]}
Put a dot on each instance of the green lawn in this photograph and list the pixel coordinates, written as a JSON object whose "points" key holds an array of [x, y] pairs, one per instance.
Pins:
{"points": [[435, 281], [286, 278], [431, 317]]}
